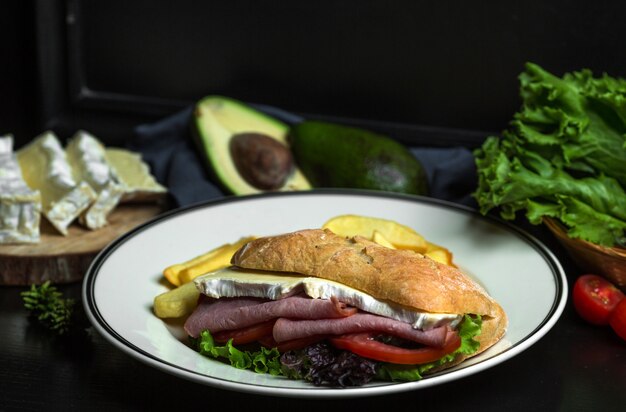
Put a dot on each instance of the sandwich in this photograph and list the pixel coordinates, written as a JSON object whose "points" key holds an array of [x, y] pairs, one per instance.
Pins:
{"points": [[341, 311]]}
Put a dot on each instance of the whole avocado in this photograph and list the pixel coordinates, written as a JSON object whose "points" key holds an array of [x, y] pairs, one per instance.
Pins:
{"points": [[338, 156]]}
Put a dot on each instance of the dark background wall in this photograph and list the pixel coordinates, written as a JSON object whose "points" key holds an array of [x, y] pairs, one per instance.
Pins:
{"points": [[109, 65], [18, 72]]}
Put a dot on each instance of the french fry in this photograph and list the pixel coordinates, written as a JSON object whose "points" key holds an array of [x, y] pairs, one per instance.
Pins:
{"points": [[176, 302], [172, 272], [440, 254], [220, 259], [382, 240], [181, 273], [401, 236]]}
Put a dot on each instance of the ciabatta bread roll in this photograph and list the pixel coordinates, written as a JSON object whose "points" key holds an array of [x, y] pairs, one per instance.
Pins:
{"points": [[400, 276]]}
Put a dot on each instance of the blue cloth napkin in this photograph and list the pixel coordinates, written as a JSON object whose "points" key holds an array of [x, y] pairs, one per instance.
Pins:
{"points": [[168, 148]]}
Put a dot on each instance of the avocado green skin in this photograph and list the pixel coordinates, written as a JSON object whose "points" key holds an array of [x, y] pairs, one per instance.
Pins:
{"points": [[332, 155]]}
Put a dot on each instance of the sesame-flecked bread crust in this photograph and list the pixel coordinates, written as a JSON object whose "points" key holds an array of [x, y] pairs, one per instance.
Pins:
{"points": [[401, 276]]}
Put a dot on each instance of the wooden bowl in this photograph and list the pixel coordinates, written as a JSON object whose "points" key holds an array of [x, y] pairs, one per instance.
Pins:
{"points": [[609, 262]]}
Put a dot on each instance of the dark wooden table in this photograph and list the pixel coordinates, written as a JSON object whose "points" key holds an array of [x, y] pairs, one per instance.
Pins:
{"points": [[575, 367]]}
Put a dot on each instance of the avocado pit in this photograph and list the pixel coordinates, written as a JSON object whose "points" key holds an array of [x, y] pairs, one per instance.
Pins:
{"points": [[262, 161]]}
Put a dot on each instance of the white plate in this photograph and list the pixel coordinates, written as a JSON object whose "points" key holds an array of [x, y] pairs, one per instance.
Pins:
{"points": [[119, 287]]}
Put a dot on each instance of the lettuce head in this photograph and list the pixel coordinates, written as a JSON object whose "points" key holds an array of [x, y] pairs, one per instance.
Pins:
{"points": [[563, 156]]}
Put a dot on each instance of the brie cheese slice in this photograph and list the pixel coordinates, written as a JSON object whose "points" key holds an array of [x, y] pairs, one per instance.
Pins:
{"points": [[234, 282], [134, 174], [45, 168], [86, 155], [20, 206]]}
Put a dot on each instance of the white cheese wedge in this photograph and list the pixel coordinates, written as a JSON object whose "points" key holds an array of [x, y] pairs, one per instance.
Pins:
{"points": [[134, 174], [45, 168], [86, 154], [20, 206], [233, 282]]}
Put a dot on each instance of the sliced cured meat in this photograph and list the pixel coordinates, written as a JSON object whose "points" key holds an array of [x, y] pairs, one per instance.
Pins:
{"points": [[269, 342], [288, 329], [237, 313], [248, 334], [209, 311]]}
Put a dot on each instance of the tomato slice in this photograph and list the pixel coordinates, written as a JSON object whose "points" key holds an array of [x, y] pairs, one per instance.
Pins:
{"points": [[246, 335], [595, 298], [365, 345], [618, 319]]}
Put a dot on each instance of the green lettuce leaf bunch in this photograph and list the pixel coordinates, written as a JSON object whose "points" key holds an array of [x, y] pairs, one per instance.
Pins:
{"points": [[469, 328], [261, 361], [563, 156]]}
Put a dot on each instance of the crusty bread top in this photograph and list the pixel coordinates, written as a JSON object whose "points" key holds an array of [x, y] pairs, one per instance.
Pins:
{"points": [[401, 276]]}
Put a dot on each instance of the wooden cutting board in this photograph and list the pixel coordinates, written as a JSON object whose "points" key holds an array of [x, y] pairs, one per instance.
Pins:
{"points": [[64, 259]]}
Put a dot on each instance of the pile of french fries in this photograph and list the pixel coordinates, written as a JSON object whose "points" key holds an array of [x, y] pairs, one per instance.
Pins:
{"points": [[182, 299], [388, 233]]}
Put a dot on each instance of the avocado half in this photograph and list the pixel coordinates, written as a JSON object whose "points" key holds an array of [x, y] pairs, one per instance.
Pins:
{"points": [[217, 120]]}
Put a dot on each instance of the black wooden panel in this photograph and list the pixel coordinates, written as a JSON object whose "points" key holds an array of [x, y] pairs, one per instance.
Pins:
{"points": [[18, 92], [434, 64]]}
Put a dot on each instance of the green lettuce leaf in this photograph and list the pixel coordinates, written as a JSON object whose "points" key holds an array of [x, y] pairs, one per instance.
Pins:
{"points": [[262, 361], [468, 329], [564, 156]]}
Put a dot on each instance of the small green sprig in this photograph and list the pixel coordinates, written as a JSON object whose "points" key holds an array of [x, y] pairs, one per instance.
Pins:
{"points": [[49, 306]]}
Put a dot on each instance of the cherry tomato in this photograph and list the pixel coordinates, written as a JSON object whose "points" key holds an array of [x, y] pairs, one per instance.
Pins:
{"points": [[618, 319], [363, 344], [595, 298], [245, 335]]}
